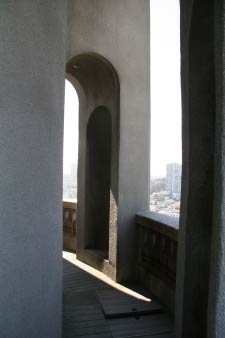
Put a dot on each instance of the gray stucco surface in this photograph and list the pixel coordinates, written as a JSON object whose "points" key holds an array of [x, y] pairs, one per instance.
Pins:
{"points": [[216, 308], [196, 218], [32, 35], [113, 29]]}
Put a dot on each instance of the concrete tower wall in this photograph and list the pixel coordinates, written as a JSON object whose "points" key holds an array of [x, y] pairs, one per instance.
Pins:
{"points": [[198, 120], [32, 67], [216, 305]]}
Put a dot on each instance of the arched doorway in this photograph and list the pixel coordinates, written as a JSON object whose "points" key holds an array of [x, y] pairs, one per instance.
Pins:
{"points": [[97, 85]]}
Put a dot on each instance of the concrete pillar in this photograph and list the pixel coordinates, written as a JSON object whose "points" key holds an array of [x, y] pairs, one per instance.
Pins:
{"points": [[198, 106], [216, 308], [119, 31], [32, 68]]}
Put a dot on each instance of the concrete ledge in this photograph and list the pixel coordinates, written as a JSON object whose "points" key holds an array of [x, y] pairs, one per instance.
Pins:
{"points": [[166, 225], [70, 204]]}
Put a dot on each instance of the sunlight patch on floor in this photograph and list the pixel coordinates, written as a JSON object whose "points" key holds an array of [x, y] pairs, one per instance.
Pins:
{"points": [[71, 257]]}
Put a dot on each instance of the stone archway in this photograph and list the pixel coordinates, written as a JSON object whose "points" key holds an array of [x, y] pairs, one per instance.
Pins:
{"points": [[97, 85]]}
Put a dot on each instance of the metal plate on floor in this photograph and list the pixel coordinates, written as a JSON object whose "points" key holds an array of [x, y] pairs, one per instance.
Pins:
{"points": [[117, 304]]}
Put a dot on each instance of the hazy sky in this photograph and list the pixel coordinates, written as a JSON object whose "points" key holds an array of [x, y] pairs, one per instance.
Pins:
{"points": [[165, 85], [165, 93], [70, 146]]}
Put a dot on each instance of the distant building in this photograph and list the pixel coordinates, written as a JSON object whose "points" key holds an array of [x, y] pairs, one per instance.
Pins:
{"points": [[173, 180]]}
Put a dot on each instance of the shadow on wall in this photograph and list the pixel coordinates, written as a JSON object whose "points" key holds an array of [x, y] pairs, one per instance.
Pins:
{"points": [[98, 173]]}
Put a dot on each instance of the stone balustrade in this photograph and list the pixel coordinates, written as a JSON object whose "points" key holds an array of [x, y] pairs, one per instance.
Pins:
{"points": [[69, 225], [157, 255]]}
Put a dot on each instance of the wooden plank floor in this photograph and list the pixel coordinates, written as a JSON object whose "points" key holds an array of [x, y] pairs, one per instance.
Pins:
{"points": [[83, 316]]}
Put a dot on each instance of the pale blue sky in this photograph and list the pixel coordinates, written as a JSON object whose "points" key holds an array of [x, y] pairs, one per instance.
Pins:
{"points": [[70, 145], [165, 85]]}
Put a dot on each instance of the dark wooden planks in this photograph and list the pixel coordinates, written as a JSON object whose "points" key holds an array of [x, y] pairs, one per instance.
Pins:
{"points": [[144, 326], [82, 313], [83, 316], [80, 320], [169, 335], [101, 335]]}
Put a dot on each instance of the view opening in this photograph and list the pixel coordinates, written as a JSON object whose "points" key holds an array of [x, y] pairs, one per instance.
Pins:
{"points": [[165, 185], [70, 144]]}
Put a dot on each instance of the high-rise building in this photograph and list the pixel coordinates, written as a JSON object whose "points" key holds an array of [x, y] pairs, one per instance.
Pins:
{"points": [[173, 180]]}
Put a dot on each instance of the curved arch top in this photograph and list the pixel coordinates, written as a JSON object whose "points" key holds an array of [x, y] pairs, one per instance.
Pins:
{"points": [[93, 70]]}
